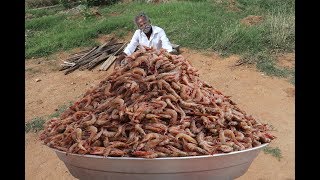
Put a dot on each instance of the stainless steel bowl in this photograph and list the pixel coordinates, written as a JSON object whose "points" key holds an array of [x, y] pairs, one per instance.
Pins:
{"points": [[219, 166]]}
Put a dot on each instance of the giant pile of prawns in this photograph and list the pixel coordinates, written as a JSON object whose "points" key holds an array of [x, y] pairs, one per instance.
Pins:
{"points": [[154, 105]]}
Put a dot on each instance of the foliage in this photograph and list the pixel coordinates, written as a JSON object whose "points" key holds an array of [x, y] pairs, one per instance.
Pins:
{"points": [[65, 3], [37, 124], [98, 2], [40, 3], [275, 152], [34, 125]]}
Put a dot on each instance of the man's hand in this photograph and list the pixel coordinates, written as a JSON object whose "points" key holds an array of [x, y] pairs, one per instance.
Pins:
{"points": [[119, 59]]}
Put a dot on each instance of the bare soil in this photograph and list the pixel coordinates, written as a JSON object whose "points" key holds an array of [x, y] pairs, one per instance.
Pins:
{"points": [[251, 20], [232, 6], [271, 100], [286, 60]]}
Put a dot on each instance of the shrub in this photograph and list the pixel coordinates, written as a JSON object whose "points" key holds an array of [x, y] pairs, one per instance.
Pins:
{"points": [[99, 2], [40, 3]]}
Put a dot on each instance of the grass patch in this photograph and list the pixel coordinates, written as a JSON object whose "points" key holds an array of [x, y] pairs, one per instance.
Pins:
{"points": [[36, 13], [40, 3], [293, 80], [275, 152], [59, 111], [34, 125], [266, 64], [197, 24], [61, 33], [37, 124], [44, 23]]}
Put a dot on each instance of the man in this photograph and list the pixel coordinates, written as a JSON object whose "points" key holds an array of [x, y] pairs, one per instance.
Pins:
{"points": [[146, 35]]}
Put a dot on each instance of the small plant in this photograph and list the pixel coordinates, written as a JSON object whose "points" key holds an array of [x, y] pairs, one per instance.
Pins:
{"points": [[91, 3], [86, 13], [275, 152], [65, 3], [293, 80], [59, 110], [37, 123], [271, 127], [34, 125], [40, 3]]}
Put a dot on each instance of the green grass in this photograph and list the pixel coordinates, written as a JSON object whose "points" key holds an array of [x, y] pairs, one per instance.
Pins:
{"points": [[201, 24], [40, 3], [266, 63], [275, 152], [34, 125], [43, 12], [58, 112], [37, 124], [293, 79]]}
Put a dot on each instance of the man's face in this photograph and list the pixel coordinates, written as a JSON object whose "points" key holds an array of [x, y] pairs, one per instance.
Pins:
{"points": [[143, 25]]}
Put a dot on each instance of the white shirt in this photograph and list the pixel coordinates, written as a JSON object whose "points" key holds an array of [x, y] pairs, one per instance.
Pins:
{"points": [[158, 39]]}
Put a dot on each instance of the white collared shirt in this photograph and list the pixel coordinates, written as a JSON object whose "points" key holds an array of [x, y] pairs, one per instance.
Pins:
{"points": [[158, 39]]}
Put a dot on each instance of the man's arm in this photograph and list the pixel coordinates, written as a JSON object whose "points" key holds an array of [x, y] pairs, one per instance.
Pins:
{"points": [[165, 41], [131, 47]]}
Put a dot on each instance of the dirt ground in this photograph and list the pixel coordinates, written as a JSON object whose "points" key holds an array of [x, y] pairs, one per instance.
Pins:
{"points": [[271, 100]]}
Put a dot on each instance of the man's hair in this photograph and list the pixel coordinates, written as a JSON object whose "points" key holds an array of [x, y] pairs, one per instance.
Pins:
{"points": [[141, 15]]}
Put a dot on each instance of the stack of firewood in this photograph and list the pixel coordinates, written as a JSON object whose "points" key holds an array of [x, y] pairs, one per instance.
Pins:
{"points": [[90, 58]]}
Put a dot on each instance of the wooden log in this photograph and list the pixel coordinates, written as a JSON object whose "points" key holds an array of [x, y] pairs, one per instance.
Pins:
{"points": [[105, 66], [79, 64], [111, 41], [87, 54], [98, 61], [90, 57], [69, 63], [74, 58], [64, 68], [69, 70], [94, 57], [111, 49], [111, 45], [98, 49], [91, 62], [120, 49], [84, 60], [88, 60]]}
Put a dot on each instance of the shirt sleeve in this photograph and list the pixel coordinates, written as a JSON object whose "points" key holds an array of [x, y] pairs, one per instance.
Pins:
{"points": [[131, 47], [165, 41]]}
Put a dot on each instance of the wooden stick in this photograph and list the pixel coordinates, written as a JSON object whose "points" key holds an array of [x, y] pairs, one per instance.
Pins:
{"points": [[105, 44], [111, 59], [86, 66], [88, 53], [64, 68], [104, 56], [69, 63], [74, 58], [88, 60], [98, 61], [107, 63]]}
